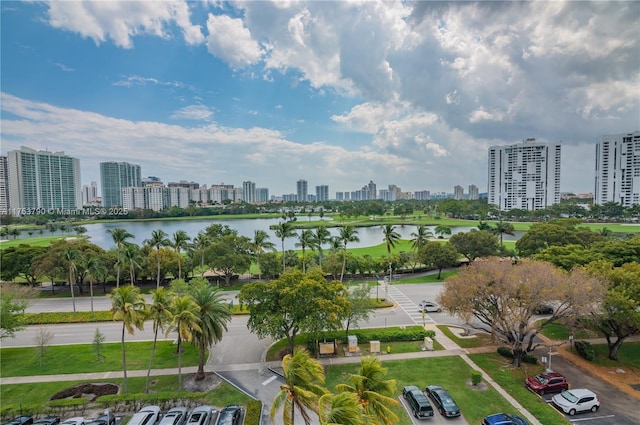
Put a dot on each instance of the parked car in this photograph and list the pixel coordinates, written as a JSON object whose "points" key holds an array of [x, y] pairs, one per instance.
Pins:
{"points": [[504, 419], [48, 420], [230, 415], [20, 420], [429, 307], [551, 382], [148, 415], [201, 415], [443, 401], [76, 420], [576, 400], [175, 416], [418, 402], [107, 418]]}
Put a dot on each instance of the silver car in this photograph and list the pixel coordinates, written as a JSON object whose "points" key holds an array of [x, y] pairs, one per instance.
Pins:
{"points": [[429, 307], [201, 415], [148, 415], [175, 416]]}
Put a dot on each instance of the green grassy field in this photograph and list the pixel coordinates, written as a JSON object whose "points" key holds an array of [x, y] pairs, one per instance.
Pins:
{"points": [[628, 355], [65, 359]]}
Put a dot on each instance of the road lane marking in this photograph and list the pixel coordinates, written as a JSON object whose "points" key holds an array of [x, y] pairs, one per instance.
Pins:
{"points": [[270, 380], [592, 419]]}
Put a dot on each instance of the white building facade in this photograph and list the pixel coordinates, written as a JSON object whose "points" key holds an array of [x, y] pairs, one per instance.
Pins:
{"points": [[618, 169]]}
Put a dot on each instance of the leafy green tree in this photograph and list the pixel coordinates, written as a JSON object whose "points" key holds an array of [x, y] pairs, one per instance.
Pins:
{"points": [[18, 261], [375, 393], [569, 256], [157, 240], [276, 309], [303, 387], [438, 256], [259, 244], [420, 237], [179, 242], [543, 235], [360, 306], [128, 306], [14, 299], [119, 237], [475, 243], [270, 265], [184, 320], [213, 316], [284, 230], [160, 314], [347, 234], [229, 254], [305, 240]]}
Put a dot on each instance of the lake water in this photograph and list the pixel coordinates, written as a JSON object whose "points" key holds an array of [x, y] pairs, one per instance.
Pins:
{"points": [[369, 236]]}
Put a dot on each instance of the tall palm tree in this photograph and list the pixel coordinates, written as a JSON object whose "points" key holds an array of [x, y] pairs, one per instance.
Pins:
{"points": [[483, 225], [284, 230], [376, 394], [321, 237], [302, 389], [185, 321], [157, 240], [132, 258], [503, 228], [442, 230], [71, 257], [306, 240], [258, 245], [420, 237], [199, 245], [391, 237], [347, 234], [213, 314], [159, 312], [119, 237], [127, 304], [341, 409], [95, 270], [179, 242]]}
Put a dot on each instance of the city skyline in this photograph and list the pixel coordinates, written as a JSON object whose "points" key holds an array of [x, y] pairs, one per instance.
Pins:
{"points": [[336, 93]]}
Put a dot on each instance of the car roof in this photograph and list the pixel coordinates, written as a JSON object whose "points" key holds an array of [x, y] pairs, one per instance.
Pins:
{"points": [[411, 388], [581, 392], [551, 375]]}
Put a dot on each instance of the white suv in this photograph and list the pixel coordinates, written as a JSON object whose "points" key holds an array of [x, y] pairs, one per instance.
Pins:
{"points": [[576, 400]]}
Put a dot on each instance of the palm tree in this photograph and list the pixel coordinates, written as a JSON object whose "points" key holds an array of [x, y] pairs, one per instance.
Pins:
{"points": [[157, 240], [258, 245], [306, 239], [391, 237], [504, 228], [185, 321], [347, 234], [420, 237], [159, 312], [119, 237], [71, 257], [213, 314], [200, 244], [321, 237], [376, 394], [442, 230], [179, 242], [483, 225], [131, 256], [341, 409], [95, 269], [284, 230], [302, 389], [128, 305]]}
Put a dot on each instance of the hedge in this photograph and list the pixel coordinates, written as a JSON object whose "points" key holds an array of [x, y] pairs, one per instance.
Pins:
{"points": [[67, 317], [585, 350], [134, 402], [414, 333], [254, 413]]}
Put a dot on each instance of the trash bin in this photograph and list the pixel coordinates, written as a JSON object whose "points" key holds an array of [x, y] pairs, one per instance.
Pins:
{"points": [[353, 343], [374, 346]]}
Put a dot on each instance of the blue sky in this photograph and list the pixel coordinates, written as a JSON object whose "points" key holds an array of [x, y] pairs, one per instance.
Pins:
{"points": [[337, 93]]}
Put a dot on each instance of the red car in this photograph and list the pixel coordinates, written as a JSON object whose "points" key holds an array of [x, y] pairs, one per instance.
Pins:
{"points": [[547, 383]]}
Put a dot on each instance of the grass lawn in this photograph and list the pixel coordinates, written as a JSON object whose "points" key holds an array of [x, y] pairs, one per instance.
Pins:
{"points": [[481, 340], [558, 331], [39, 393], [65, 359], [512, 381], [430, 278], [628, 355], [450, 372]]}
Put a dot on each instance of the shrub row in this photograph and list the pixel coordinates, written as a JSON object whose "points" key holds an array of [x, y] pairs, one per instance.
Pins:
{"points": [[66, 407], [253, 413], [134, 402], [585, 350], [508, 353], [414, 333], [67, 317]]}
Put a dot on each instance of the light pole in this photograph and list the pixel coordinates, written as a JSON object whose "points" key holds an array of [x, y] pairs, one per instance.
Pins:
{"points": [[390, 272]]}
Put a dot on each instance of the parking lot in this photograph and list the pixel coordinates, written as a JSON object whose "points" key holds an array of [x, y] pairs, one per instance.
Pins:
{"points": [[436, 419]]}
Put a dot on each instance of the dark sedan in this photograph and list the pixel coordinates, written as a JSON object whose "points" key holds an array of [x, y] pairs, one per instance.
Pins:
{"points": [[20, 420], [230, 415], [443, 401], [48, 420]]}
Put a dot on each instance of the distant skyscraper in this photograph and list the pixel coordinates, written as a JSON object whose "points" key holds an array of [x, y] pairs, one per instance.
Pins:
{"points": [[458, 193], [89, 193], [4, 185], [301, 187], [322, 193], [262, 194], [524, 176], [45, 180], [422, 195], [373, 191], [249, 192], [473, 192], [618, 169], [115, 176]]}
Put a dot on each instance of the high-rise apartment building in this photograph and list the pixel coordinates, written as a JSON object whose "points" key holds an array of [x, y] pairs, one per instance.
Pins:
{"points": [[262, 194], [458, 193], [4, 185], [44, 180], [524, 176], [301, 191], [115, 176], [89, 193], [618, 169], [322, 193], [474, 193], [249, 192], [373, 191]]}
